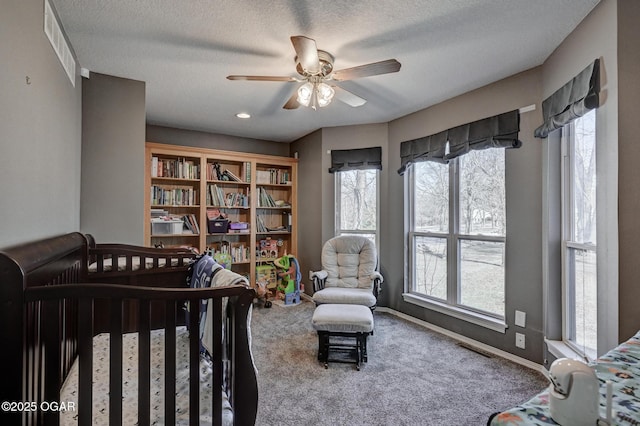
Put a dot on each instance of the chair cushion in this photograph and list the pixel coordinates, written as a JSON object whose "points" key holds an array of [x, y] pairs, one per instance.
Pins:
{"points": [[343, 318], [349, 261], [341, 295]]}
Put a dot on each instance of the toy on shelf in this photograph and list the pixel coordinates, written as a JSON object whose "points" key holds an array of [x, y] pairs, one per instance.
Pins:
{"points": [[290, 278]]}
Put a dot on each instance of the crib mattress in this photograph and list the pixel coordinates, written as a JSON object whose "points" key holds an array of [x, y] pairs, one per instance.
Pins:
{"points": [[100, 411], [621, 366]]}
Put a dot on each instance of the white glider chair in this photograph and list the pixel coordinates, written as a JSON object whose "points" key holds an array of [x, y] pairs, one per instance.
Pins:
{"points": [[349, 274]]}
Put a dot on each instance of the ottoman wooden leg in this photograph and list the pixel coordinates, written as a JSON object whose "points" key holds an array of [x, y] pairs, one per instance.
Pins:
{"points": [[323, 346]]}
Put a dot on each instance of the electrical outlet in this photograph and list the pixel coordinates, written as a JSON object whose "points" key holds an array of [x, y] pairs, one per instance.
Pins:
{"points": [[521, 318], [520, 340]]}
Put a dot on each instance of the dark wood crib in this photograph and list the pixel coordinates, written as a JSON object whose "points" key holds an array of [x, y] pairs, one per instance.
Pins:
{"points": [[48, 321], [135, 265]]}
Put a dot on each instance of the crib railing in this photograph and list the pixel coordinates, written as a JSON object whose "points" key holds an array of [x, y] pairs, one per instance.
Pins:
{"points": [[233, 348]]}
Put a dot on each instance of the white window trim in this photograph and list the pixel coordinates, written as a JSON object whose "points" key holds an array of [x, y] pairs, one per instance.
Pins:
{"points": [[458, 312], [560, 349], [448, 307], [607, 233], [568, 347]]}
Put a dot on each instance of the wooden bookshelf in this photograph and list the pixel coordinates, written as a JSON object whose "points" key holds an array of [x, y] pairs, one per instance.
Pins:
{"points": [[258, 190]]}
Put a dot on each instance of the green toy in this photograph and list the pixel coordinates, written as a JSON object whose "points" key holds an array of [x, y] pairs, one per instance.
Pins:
{"points": [[288, 283]]}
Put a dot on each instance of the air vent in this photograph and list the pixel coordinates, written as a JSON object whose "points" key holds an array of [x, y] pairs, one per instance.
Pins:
{"points": [[54, 33]]}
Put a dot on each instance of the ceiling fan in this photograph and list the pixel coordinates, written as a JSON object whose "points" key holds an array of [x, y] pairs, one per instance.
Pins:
{"points": [[316, 70]]}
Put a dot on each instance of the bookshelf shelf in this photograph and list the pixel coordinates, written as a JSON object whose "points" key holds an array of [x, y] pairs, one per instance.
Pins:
{"points": [[176, 206], [259, 190]]}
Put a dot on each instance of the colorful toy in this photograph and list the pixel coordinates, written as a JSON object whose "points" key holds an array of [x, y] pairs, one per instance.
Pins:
{"points": [[290, 278]]}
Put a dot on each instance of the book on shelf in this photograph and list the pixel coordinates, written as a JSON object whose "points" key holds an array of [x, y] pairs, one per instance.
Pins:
{"points": [[159, 213], [191, 223], [179, 168], [154, 166], [273, 176], [260, 226], [246, 168], [217, 197], [171, 195], [229, 174], [265, 199], [263, 176]]}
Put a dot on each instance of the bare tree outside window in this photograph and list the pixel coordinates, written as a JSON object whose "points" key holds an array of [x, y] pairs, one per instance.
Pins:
{"points": [[482, 193], [580, 236], [460, 263], [356, 203], [431, 207]]}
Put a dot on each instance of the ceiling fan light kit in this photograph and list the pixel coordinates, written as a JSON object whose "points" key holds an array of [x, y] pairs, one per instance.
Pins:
{"points": [[316, 68], [315, 94]]}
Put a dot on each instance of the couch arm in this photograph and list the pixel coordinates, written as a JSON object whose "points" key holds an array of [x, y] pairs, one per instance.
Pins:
{"points": [[319, 278]]}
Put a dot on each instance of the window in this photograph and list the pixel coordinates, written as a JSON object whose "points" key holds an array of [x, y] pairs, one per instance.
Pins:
{"points": [[357, 203], [457, 232], [579, 236]]}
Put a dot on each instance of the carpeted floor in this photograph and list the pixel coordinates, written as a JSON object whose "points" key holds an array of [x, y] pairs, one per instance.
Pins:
{"points": [[414, 376]]}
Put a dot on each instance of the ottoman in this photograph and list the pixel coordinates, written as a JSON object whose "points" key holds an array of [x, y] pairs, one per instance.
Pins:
{"points": [[342, 332]]}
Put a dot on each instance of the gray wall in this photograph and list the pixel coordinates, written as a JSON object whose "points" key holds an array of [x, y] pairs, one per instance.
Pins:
{"points": [[113, 136], [629, 173], [310, 208], [595, 37], [524, 210], [40, 132], [174, 136]]}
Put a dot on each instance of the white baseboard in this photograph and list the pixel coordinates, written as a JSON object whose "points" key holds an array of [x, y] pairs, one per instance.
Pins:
{"points": [[487, 348]]}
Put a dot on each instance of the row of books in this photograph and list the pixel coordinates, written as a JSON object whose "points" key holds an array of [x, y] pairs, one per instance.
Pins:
{"points": [[217, 197], [180, 168], [169, 195], [273, 176], [239, 253]]}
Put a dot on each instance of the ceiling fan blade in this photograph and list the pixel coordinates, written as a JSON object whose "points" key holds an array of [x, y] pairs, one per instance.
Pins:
{"points": [[260, 78], [307, 52], [375, 68], [348, 97], [292, 103]]}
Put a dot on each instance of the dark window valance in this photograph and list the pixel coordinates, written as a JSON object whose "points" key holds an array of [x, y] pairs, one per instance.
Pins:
{"points": [[571, 101], [428, 148], [356, 159], [499, 131]]}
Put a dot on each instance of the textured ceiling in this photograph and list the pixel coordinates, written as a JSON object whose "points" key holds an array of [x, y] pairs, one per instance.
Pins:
{"points": [[184, 50]]}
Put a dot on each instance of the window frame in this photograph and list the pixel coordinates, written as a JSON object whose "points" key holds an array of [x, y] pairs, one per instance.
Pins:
{"points": [[570, 244], [338, 230], [452, 305]]}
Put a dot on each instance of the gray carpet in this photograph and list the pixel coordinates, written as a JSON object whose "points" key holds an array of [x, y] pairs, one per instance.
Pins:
{"points": [[414, 376]]}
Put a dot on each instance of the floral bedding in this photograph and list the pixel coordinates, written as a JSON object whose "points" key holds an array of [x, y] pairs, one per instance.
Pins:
{"points": [[621, 366]]}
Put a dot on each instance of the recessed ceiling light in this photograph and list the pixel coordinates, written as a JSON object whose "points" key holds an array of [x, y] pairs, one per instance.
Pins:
{"points": [[243, 115]]}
